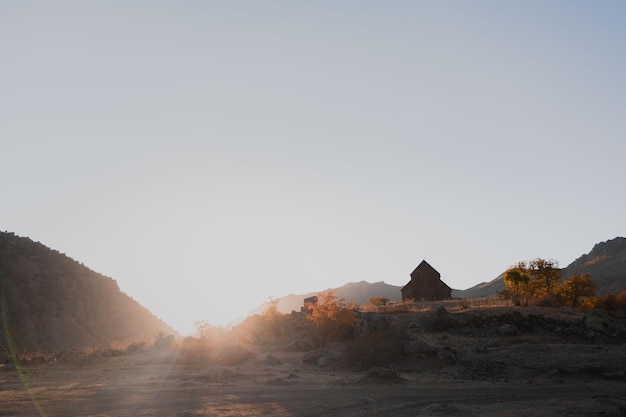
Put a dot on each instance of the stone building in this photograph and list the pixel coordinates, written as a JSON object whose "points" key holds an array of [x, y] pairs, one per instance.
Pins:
{"points": [[426, 284]]}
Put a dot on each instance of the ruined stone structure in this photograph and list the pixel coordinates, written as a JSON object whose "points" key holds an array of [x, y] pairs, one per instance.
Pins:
{"points": [[426, 284], [307, 303]]}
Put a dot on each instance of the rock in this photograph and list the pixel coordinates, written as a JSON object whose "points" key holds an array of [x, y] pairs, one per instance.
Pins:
{"points": [[446, 355], [298, 346], [442, 320], [367, 401], [270, 360], [604, 324], [508, 330], [444, 409], [314, 356], [277, 381], [418, 347], [311, 356], [361, 327], [323, 361], [380, 322]]}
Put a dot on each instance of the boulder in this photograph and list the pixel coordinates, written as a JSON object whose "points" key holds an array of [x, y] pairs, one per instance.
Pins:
{"points": [[321, 357], [299, 345], [270, 360], [312, 356], [508, 330], [602, 323]]}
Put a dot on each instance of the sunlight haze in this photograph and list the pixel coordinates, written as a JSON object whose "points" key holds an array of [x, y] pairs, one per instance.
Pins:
{"points": [[208, 155]]}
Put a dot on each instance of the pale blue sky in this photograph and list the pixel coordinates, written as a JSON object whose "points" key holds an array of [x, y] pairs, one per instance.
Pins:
{"points": [[208, 154]]}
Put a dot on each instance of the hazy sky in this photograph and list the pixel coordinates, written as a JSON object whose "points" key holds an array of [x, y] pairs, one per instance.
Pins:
{"points": [[207, 155]]}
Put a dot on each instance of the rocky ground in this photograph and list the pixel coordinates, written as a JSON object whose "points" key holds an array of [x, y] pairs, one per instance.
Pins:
{"points": [[463, 362]]}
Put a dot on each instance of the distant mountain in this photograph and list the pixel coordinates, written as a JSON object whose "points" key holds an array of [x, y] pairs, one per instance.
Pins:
{"points": [[356, 292], [484, 289], [49, 301], [605, 264]]}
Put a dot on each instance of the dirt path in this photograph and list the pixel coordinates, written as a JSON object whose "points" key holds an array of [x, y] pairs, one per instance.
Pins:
{"points": [[123, 389]]}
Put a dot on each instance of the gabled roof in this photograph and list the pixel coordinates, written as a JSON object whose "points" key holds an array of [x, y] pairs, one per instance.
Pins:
{"points": [[425, 266]]}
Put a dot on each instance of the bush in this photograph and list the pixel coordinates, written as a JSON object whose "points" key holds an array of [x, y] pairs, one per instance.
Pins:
{"points": [[212, 345], [613, 303], [332, 318], [276, 321]]}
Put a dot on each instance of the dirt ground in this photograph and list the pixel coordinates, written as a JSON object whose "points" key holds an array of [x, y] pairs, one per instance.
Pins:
{"points": [[492, 375]]}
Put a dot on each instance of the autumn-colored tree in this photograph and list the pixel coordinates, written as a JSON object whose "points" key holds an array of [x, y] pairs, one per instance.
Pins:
{"points": [[545, 276], [516, 281], [271, 312], [576, 287], [274, 318], [333, 318], [537, 280], [615, 303]]}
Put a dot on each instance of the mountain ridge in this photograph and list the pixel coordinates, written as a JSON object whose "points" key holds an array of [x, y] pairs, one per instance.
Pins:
{"points": [[49, 301]]}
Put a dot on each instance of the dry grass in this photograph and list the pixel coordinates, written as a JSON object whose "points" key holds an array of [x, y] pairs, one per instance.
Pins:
{"points": [[453, 304]]}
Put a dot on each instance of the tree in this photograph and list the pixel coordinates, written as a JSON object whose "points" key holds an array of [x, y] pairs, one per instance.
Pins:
{"points": [[331, 317], [271, 313], [517, 280], [545, 276], [274, 318], [576, 287], [536, 280]]}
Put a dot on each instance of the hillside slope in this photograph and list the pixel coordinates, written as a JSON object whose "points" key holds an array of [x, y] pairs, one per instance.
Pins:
{"points": [[49, 301], [484, 289], [605, 264]]}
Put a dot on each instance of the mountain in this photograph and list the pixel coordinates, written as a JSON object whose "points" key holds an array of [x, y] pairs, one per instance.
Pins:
{"points": [[484, 289], [605, 264], [49, 301], [356, 292]]}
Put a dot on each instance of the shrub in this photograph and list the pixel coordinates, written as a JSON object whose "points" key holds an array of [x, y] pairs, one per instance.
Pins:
{"points": [[378, 301], [164, 341], [332, 318], [276, 321], [613, 303], [212, 345]]}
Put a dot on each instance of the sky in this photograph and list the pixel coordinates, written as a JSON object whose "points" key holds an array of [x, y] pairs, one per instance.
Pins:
{"points": [[210, 154]]}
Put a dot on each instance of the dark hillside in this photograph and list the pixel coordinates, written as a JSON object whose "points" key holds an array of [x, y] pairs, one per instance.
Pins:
{"points": [[605, 264], [49, 301]]}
